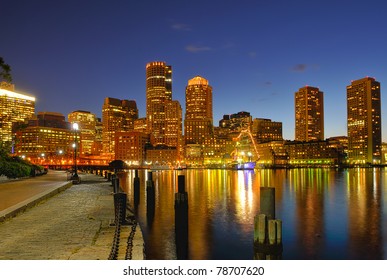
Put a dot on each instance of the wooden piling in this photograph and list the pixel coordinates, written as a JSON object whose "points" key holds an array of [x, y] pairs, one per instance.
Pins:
{"points": [[267, 230], [136, 186], [181, 219]]}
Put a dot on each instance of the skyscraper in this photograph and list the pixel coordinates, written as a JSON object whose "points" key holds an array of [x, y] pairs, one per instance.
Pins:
{"points": [[309, 114], [364, 121], [158, 92], [198, 123], [117, 115], [14, 108]]}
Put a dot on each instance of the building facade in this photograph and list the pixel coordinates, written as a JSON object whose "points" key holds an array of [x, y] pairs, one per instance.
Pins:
{"points": [[309, 114], [130, 147], [158, 93], [117, 115], [15, 108], [87, 130], [364, 121], [47, 139], [198, 123], [266, 130]]}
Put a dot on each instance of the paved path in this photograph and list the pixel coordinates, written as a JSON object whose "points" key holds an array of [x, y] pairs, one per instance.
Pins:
{"points": [[73, 224]]}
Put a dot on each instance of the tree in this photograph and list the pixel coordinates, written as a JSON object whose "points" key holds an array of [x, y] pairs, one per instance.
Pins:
{"points": [[5, 71]]}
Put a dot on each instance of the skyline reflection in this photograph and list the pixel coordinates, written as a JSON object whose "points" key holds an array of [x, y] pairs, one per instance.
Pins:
{"points": [[326, 214]]}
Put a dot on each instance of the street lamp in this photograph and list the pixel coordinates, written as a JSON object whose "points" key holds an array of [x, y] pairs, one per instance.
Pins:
{"points": [[75, 128]]}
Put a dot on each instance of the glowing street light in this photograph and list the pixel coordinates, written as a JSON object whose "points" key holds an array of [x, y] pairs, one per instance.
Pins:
{"points": [[75, 176]]}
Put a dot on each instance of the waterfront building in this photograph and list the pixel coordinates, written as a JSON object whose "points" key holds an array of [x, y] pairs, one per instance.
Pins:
{"points": [[309, 114], [313, 153], [117, 115], [162, 156], [15, 109], [198, 116], [130, 147], [173, 129], [364, 121], [198, 123], [47, 139], [272, 154], [87, 130], [158, 93], [266, 130]]}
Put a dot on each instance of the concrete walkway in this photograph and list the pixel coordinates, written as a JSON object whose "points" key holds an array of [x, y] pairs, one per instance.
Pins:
{"points": [[73, 224]]}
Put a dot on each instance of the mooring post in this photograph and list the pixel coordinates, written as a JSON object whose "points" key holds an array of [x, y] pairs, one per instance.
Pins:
{"points": [[136, 186], [150, 199], [181, 219], [267, 230], [120, 208]]}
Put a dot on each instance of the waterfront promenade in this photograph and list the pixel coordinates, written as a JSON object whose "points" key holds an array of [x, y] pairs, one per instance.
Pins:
{"points": [[60, 221]]}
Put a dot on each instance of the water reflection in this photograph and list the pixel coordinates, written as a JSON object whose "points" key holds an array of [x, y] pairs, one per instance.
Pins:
{"points": [[326, 214]]}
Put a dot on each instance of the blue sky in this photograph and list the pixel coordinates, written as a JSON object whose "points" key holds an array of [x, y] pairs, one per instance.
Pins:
{"points": [[72, 54]]}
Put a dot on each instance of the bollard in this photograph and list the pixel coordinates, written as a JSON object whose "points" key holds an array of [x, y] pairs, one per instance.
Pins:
{"points": [[114, 176], [109, 176], [117, 185], [120, 208], [150, 200], [267, 202], [181, 220], [267, 230], [136, 186]]}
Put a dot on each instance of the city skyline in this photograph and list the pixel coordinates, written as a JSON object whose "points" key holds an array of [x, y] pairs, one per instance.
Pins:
{"points": [[262, 50]]}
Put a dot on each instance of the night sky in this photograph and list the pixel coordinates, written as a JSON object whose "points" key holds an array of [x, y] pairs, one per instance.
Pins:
{"points": [[71, 54]]}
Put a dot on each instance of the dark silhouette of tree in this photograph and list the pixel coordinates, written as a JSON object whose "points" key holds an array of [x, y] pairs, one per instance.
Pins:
{"points": [[5, 71]]}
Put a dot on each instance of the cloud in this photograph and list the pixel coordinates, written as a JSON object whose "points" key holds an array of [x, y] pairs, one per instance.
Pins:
{"points": [[181, 27], [196, 49], [268, 83], [299, 68]]}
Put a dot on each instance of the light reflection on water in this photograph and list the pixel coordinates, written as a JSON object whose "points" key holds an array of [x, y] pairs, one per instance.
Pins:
{"points": [[326, 214]]}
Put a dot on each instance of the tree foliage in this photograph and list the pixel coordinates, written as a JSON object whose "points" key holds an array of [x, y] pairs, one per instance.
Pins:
{"points": [[5, 71]]}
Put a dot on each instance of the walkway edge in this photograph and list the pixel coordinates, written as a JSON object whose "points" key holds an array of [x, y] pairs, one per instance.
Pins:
{"points": [[31, 202]]}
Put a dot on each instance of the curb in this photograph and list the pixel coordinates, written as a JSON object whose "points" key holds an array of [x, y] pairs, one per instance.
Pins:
{"points": [[31, 202]]}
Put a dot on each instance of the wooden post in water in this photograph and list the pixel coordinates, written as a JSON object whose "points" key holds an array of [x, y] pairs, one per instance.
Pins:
{"points": [[150, 199], [136, 186], [181, 219], [267, 230]]}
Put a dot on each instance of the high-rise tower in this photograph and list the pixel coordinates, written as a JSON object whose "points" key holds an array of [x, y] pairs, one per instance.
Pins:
{"points": [[158, 92], [198, 116], [364, 121], [309, 114], [117, 115]]}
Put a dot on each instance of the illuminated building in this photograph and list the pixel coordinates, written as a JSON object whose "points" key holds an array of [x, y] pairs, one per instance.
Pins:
{"points": [[47, 139], [313, 153], [130, 147], [15, 108], [87, 129], [364, 121], [272, 154], [265, 130], [309, 114], [162, 156], [158, 93], [198, 123], [198, 115], [173, 129], [117, 115], [140, 125]]}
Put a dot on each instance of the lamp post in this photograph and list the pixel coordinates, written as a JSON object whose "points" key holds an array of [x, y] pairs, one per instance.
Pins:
{"points": [[75, 128], [60, 152]]}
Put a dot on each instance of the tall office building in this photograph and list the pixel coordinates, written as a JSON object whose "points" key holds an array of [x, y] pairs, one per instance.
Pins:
{"points": [[14, 108], [158, 93], [87, 129], [117, 115], [198, 123], [309, 114], [174, 123], [364, 121]]}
